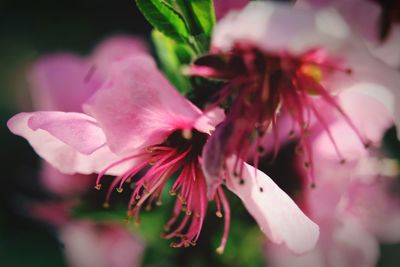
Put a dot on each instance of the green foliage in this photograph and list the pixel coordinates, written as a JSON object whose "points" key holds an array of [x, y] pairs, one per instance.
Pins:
{"points": [[182, 32], [204, 15], [164, 18], [186, 22]]}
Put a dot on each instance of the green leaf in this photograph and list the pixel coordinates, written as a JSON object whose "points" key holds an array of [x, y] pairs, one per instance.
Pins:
{"points": [[164, 18], [172, 58], [204, 15], [189, 22]]}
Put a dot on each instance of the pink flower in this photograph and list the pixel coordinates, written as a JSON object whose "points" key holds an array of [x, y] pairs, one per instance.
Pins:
{"points": [[296, 57], [63, 82], [348, 203], [366, 18], [88, 244], [139, 128]]}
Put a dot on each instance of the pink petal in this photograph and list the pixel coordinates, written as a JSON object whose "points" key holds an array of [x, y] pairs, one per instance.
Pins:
{"points": [[384, 90], [369, 203], [275, 212], [388, 50], [64, 184], [282, 29], [344, 245], [369, 114], [354, 12], [222, 7], [349, 144], [60, 82], [66, 158], [115, 49], [352, 246], [64, 81], [89, 245], [74, 129], [139, 107]]}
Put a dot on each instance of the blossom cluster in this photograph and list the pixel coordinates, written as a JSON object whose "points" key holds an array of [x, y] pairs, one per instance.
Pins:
{"points": [[223, 95]]}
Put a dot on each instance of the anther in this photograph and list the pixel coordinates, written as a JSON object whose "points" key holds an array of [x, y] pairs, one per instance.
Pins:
{"points": [[172, 193], [97, 186], [106, 205], [260, 149], [219, 214], [187, 134], [119, 189], [261, 189], [220, 250], [174, 245], [159, 203]]}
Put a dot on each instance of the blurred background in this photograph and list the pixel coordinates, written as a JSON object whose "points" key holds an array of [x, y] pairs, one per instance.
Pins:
{"points": [[30, 213]]}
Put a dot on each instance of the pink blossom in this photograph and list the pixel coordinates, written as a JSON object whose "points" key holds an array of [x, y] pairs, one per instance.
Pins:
{"points": [[348, 203], [138, 123], [63, 82], [365, 18], [88, 244], [296, 57]]}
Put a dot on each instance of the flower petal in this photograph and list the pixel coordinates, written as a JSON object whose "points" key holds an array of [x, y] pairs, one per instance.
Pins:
{"points": [[283, 29], [275, 212], [344, 245], [115, 49], [60, 82], [380, 83], [74, 129], [139, 107], [61, 150], [222, 7], [102, 245], [64, 184]]}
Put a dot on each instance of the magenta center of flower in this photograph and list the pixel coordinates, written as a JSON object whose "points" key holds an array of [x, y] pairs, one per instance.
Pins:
{"points": [[177, 159], [259, 85]]}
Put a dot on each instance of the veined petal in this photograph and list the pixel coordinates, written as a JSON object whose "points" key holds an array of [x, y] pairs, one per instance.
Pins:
{"points": [[60, 82], [275, 212], [74, 129], [139, 107], [72, 144], [115, 49], [283, 29], [381, 83], [341, 244]]}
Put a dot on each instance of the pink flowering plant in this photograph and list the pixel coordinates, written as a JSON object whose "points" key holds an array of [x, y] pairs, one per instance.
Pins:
{"points": [[224, 91]]}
